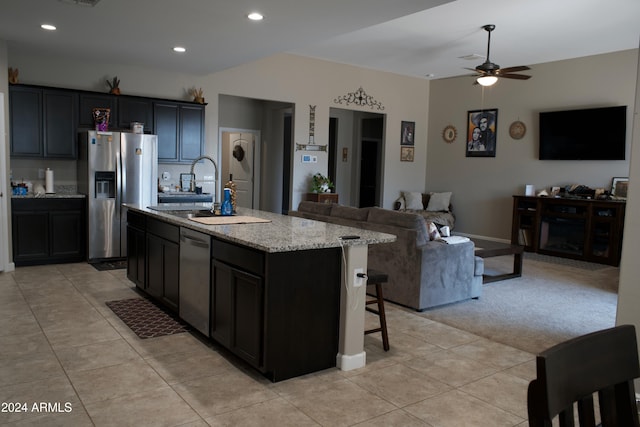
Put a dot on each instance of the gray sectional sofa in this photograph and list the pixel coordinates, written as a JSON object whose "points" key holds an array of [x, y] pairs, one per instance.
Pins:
{"points": [[422, 273]]}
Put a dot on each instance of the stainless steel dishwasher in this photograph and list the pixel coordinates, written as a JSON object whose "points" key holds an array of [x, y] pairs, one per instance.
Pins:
{"points": [[195, 282]]}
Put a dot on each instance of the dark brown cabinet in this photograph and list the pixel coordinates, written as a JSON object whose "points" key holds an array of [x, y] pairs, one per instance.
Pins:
{"points": [[136, 248], [135, 109], [180, 130], [237, 302], [268, 309], [585, 229], [60, 124], [25, 111], [48, 231], [279, 312], [163, 255], [43, 122], [89, 101]]}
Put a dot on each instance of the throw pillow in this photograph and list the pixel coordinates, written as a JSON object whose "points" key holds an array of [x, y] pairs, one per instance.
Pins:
{"points": [[413, 200], [439, 202], [433, 231]]}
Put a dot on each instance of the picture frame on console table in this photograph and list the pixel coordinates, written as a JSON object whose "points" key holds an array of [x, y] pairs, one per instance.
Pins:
{"points": [[619, 187], [482, 128]]}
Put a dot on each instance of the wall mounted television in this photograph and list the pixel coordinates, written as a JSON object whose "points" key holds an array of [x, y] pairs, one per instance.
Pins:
{"points": [[585, 134]]}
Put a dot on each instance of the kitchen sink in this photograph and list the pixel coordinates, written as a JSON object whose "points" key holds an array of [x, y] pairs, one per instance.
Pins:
{"points": [[191, 214]]}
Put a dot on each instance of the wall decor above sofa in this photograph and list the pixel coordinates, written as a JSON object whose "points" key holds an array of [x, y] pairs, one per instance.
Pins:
{"points": [[482, 126]]}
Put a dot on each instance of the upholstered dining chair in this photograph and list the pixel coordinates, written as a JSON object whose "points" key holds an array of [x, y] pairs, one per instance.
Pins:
{"points": [[602, 363]]}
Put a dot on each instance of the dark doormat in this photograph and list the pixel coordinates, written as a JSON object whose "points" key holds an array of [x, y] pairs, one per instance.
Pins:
{"points": [[110, 265], [146, 319]]}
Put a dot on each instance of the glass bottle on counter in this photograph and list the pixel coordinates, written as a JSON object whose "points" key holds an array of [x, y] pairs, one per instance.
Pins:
{"points": [[232, 186], [226, 208]]}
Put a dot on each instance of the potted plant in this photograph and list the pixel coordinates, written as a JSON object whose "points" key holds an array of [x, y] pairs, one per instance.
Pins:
{"points": [[114, 86], [321, 184]]}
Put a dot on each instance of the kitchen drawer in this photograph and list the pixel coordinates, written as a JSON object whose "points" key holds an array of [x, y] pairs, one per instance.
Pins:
{"points": [[164, 230], [243, 258], [136, 220]]}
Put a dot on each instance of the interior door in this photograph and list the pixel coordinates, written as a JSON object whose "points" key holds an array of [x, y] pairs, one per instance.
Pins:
{"points": [[241, 151]]}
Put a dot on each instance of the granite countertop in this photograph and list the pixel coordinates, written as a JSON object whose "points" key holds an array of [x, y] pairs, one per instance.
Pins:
{"points": [[49, 196], [62, 192], [283, 234]]}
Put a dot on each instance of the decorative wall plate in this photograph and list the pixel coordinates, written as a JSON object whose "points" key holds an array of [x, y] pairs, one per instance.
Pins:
{"points": [[449, 134], [517, 130]]}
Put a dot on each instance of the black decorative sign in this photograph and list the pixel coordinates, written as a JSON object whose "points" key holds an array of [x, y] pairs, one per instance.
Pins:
{"points": [[360, 98]]}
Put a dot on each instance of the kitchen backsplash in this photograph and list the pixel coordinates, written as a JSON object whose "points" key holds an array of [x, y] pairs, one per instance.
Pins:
{"points": [[65, 174]]}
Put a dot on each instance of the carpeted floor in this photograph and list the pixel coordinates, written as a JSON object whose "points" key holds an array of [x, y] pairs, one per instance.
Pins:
{"points": [[146, 319], [554, 300]]}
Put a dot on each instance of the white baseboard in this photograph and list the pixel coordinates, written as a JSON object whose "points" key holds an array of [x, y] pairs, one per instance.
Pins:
{"points": [[351, 362]]}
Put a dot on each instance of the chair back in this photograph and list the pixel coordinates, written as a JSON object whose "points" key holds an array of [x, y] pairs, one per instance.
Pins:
{"points": [[603, 363]]}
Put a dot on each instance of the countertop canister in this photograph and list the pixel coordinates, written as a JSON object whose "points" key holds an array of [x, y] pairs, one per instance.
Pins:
{"points": [[48, 179]]}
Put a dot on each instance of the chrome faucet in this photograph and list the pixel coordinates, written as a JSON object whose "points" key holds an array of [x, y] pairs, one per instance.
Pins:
{"points": [[192, 187]]}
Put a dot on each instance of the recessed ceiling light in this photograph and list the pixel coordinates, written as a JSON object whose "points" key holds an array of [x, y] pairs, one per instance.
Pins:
{"points": [[255, 16], [48, 27], [430, 75], [179, 49]]}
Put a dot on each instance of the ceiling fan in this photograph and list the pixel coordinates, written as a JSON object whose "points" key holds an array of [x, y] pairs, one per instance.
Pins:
{"points": [[489, 72]]}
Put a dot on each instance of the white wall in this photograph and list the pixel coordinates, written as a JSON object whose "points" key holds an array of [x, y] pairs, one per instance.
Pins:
{"points": [[5, 185], [629, 289], [482, 187], [284, 77]]}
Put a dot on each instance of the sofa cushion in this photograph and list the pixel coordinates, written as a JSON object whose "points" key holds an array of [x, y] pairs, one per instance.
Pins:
{"points": [[349, 212], [439, 202], [401, 219], [412, 200], [315, 208]]}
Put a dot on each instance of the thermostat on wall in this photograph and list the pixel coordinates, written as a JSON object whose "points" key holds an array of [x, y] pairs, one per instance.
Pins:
{"points": [[307, 158]]}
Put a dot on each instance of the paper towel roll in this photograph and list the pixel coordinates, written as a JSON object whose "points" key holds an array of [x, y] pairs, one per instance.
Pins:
{"points": [[48, 179]]}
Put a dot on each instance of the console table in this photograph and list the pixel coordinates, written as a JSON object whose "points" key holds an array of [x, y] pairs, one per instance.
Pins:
{"points": [[322, 197], [584, 229]]}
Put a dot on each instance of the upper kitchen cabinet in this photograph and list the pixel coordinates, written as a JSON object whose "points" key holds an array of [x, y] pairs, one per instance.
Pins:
{"points": [[135, 109], [89, 101], [43, 122], [25, 110], [180, 130]]}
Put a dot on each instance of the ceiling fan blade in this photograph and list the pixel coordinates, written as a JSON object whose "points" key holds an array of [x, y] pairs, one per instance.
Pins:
{"points": [[515, 76], [474, 70], [514, 69]]}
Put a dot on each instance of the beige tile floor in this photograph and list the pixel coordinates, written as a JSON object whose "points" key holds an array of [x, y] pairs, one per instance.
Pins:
{"points": [[60, 344]]}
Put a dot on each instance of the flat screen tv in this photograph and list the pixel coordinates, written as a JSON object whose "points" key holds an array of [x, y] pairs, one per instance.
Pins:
{"points": [[586, 134]]}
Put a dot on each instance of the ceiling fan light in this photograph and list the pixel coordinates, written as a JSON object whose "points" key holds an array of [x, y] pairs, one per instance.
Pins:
{"points": [[487, 80]]}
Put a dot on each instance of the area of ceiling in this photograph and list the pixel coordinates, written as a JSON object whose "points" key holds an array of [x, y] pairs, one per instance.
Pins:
{"points": [[409, 37]]}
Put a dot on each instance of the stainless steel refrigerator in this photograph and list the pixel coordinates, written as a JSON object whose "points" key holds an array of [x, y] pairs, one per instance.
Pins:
{"points": [[115, 168]]}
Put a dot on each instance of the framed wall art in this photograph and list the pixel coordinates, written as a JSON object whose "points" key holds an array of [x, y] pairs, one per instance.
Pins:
{"points": [[481, 133], [408, 133], [406, 154]]}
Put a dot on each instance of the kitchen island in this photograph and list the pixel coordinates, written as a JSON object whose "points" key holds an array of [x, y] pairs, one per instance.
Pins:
{"points": [[281, 292]]}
